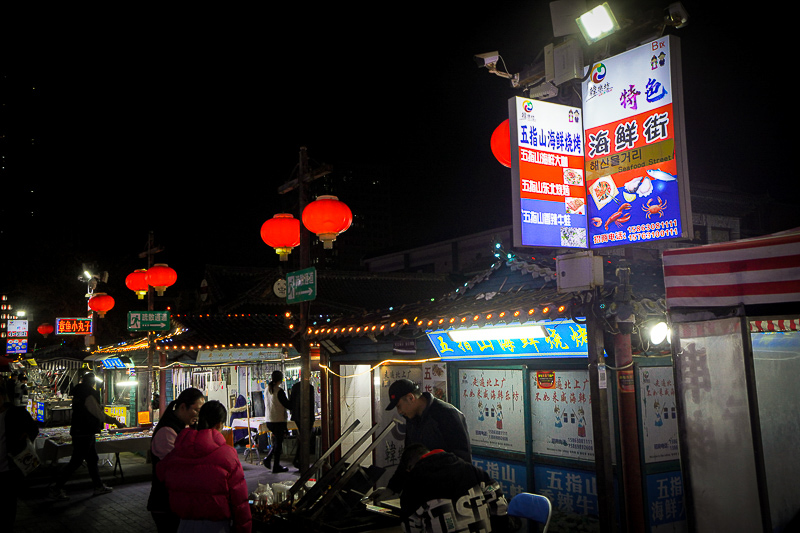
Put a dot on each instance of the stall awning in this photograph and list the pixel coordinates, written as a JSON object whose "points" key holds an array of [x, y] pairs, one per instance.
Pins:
{"points": [[240, 356], [762, 270]]}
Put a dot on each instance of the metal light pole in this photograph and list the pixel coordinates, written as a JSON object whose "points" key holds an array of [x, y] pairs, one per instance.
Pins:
{"points": [[600, 426], [305, 356]]}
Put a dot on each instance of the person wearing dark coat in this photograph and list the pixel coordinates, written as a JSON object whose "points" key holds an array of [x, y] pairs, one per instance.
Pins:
{"points": [[429, 421], [437, 480], [87, 421], [294, 400], [16, 428]]}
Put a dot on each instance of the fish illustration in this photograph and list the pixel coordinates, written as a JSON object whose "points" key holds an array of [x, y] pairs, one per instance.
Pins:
{"points": [[657, 174]]}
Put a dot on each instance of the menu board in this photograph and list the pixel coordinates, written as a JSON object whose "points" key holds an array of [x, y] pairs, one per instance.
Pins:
{"points": [[549, 195], [635, 161], [494, 405]]}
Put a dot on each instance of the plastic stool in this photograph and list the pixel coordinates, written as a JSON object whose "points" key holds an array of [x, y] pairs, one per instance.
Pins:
{"points": [[250, 449]]}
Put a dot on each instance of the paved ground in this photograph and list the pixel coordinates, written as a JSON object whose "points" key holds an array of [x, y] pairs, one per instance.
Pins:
{"points": [[121, 511]]}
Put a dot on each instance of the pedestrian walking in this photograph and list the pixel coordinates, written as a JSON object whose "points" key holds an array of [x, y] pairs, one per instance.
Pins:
{"points": [[276, 405], [87, 421]]}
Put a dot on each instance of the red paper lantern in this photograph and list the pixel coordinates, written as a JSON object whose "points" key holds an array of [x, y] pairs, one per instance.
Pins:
{"points": [[45, 329], [160, 276], [501, 143], [282, 232], [327, 217], [101, 303], [137, 282]]}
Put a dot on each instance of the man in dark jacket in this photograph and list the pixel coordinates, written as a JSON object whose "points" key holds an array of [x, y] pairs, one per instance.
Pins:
{"points": [[294, 399], [16, 428], [429, 421], [442, 489], [87, 421]]}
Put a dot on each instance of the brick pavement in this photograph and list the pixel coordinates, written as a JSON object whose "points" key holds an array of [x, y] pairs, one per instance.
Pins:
{"points": [[121, 511]]}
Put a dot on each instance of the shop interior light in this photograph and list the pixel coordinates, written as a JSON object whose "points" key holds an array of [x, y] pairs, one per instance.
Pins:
{"points": [[493, 334], [597, 23], [126, 383]]}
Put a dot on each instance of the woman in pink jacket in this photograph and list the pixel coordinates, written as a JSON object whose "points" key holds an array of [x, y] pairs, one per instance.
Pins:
{"points": [[204, 477]]}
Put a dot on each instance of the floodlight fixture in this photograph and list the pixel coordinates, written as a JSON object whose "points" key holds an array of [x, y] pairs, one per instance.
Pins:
{"points": [[597, 23], [659, 333]]}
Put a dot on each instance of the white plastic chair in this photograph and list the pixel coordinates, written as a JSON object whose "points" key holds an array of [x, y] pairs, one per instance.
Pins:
{"points": [[531, 506]]}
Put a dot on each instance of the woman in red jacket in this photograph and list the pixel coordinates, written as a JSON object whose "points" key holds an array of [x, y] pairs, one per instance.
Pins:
{"points": [[204, 477]]}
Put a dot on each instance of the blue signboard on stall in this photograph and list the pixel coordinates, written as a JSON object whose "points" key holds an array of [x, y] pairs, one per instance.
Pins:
{"points": [[571, 491], [563, 339], [511, 476], [113, 362], [665, 499]]}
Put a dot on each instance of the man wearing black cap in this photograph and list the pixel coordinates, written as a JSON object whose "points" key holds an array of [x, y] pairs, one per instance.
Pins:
{"points": [[429, 421]]}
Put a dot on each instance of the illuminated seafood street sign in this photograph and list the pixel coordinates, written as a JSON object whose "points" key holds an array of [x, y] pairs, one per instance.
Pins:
{"points": [[547, 166], [636, 175]]}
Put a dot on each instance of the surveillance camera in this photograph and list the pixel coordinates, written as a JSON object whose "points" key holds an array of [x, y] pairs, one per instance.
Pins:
{"points": [[489, 58], [677, 15]]}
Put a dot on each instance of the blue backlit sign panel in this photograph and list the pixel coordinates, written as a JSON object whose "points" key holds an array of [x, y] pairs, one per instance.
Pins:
{"points": [[547, 166], [564, 339]]}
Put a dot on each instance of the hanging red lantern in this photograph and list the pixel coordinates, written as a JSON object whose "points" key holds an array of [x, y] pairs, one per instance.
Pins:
{"points": [[45, 329], [327, 217], [282, 232], [137, 282], [101, 303], [501, 144], [160, 276]]}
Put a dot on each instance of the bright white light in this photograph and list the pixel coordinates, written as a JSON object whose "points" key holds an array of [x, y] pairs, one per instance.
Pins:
{"points": [[597, 23], [126, 383], [659, 333], [493, 334]]}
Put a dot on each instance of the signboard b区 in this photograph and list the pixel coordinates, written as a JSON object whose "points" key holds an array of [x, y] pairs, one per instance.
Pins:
{"points": [[547, 166], [635, 159]]}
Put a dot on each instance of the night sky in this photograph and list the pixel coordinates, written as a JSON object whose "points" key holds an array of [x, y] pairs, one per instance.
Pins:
{"points": [[186, 123]]}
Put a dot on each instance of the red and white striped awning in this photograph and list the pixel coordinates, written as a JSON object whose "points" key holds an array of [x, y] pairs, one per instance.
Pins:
{"points": [[762, 270]]}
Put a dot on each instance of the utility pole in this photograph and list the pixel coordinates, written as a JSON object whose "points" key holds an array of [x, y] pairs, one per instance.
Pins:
{"points": [[305, 355], [304, 176], [626, 401], [145, 386], [600, 425]]}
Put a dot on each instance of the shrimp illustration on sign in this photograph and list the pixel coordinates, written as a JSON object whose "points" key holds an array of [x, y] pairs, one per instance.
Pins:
{"points": [[619, 216]]}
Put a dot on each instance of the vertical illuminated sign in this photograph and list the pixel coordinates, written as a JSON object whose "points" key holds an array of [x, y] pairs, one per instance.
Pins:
{"points": [[636, 173], [547, 166]]}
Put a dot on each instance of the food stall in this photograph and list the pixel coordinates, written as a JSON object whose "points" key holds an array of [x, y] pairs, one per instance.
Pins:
{"points": [[735, 314], [54, 444]]}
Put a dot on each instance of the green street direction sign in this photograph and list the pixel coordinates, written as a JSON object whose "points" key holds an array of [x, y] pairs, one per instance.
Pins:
{"points": [[148, 321], [301, 285]]}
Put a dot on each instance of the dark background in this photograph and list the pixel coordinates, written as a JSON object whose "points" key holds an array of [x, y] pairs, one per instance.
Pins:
{"points": [[186, 122]]}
